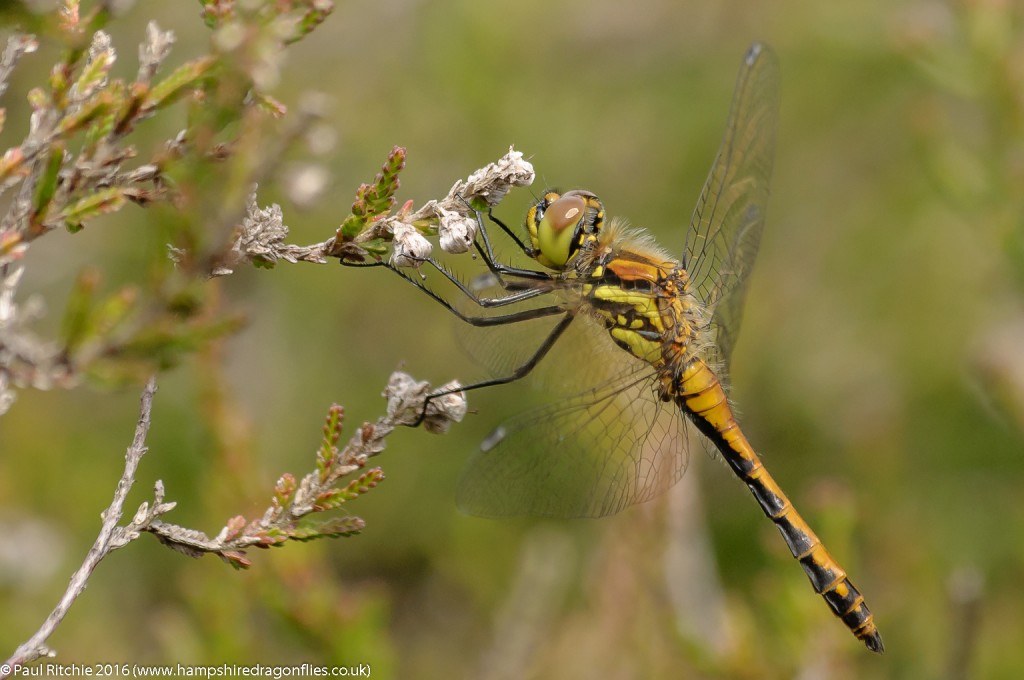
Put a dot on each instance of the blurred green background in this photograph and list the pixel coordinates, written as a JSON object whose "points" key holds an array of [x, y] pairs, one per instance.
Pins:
{"points": [[880, 370]]}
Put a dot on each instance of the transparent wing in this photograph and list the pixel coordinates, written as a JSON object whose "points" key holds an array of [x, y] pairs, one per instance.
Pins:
{"points": [[726, 226], [586, 456]]}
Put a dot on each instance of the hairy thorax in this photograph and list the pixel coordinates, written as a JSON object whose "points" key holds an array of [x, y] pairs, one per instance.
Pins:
{"points": [[643, 297]]}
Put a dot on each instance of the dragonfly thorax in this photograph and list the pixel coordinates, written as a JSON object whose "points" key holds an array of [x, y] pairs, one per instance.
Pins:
{"points": [[644, 299]]}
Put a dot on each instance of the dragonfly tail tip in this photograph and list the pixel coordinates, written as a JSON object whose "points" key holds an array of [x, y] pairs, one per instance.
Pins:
{"points": [[874, 642]]}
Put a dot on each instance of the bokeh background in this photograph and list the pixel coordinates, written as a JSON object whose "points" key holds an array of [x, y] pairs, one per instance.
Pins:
{"points": [[880, 369]]}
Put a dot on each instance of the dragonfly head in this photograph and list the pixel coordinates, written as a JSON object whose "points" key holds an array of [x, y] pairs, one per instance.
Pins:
{"points": [[560, 225]]}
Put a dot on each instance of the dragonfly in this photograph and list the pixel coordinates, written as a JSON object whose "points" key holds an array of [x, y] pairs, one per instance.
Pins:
{"points": [[653, 335]]}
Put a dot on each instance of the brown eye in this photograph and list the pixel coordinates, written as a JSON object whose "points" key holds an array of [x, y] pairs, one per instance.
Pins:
{"points": [[565, 212]]}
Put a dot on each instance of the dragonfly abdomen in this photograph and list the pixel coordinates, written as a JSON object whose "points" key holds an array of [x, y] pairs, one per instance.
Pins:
{"points": [[700, 395]]}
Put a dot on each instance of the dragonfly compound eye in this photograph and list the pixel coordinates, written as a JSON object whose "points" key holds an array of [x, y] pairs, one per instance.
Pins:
{"points": [[558, 231]]}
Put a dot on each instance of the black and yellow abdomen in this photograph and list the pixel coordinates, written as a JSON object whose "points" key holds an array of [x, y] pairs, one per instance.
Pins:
{"points": [[700, 395], [648, 312]]}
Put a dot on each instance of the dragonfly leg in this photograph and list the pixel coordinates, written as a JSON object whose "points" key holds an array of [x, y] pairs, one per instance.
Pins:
{"points": [[498, 269], [523, 291], [487, 253], [497, 320], [520, 372], [511, 234], [519, 295]]}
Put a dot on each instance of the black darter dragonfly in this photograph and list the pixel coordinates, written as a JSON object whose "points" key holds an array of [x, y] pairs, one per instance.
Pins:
{"points": [[671, 327]]}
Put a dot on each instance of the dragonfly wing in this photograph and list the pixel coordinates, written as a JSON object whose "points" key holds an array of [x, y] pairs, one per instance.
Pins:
{"points": [[586, 456], [726, 226], [500, 350]]}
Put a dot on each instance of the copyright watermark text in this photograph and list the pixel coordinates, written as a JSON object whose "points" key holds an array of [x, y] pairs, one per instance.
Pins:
{"points": [[226, 670]]}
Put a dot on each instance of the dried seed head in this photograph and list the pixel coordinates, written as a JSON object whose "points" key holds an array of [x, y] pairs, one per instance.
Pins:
{"points": [[262, 232], [411, 248], [456, 231], [153, 51], [405, 398], [446, 409], [494, 181]]}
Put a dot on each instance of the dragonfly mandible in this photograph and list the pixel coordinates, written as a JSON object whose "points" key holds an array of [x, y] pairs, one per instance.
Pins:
{"points": [[671, 325]]}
